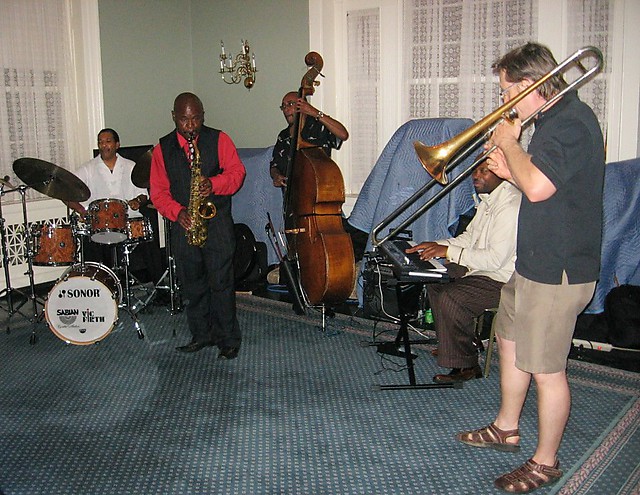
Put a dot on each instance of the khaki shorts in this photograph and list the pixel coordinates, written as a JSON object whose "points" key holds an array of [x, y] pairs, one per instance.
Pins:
{"points": [[540, 319]]}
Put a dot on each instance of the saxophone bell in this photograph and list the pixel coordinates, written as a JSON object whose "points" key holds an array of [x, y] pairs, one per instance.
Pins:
{"points": [[207, 210]]}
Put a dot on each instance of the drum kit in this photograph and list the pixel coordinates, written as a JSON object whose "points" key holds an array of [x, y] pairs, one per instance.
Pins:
{"points": [[82, 306]]}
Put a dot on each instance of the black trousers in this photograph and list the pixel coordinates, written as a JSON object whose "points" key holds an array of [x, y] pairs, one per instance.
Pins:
{"points": [[207, 282]]}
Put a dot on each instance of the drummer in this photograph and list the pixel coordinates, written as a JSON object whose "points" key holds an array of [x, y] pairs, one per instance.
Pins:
{"points": [[108, 176]]}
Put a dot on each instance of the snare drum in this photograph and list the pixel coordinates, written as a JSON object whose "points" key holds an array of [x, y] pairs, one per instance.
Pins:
{"points": [[54, 245], [108, 220], [139, 230], [82, 307]]}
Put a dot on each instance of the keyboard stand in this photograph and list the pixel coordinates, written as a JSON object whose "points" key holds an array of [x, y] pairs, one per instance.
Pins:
{"points": [[402, 339]]}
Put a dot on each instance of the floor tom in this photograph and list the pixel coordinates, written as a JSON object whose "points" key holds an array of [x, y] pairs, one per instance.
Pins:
{"points": [[54, 245]]}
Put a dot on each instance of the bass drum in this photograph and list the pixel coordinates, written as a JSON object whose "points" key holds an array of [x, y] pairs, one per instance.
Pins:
{"points": [[82, 307]]}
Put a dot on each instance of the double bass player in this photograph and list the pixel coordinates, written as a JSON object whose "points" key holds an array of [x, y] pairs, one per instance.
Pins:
{"points": [[321, 130]]}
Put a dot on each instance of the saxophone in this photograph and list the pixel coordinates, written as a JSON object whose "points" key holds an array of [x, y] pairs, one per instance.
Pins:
{"points": [[199, 208]]}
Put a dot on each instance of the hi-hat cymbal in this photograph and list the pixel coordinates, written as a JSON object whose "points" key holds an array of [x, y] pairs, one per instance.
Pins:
{"points": [[49, 179], [141, 172]]}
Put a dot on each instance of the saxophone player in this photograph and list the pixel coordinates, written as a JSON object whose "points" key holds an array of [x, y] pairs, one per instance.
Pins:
{"points": [[205, 269]]}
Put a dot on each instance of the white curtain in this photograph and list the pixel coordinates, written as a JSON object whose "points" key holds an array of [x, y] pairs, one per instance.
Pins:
{"points": [[363, 60], [453, 44], [39, 96], [589, 24]]}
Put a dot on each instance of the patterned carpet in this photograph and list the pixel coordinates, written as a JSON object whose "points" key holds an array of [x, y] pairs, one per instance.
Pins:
{"points": [[295, 413]]}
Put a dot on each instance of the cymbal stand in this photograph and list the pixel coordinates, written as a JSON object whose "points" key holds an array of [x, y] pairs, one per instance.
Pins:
{"points": [[8, 290], [29, 255], [126, 304], [169, 275]]}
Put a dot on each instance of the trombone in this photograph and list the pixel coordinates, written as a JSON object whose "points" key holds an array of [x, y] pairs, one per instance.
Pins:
{"points": [[440, 159]]}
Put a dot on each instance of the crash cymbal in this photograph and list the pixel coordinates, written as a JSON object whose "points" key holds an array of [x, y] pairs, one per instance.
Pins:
{"points": [[142, 170], [49, 179]]}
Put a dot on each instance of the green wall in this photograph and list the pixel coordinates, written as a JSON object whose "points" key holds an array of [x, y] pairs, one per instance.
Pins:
{"points": [[154, 49]]}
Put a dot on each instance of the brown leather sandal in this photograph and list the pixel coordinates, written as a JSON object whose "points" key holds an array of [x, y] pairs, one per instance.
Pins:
{"points": [[492, 437], [528, 477]]}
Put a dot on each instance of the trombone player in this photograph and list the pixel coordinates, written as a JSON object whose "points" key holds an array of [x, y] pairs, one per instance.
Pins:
{"points": [[561, 177]]}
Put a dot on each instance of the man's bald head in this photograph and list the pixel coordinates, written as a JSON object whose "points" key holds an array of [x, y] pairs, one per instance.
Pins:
{"points": [[188, 114]]}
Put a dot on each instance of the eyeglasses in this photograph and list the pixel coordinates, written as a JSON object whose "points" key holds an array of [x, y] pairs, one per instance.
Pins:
{"points": [[288, 104], [503, 92]]}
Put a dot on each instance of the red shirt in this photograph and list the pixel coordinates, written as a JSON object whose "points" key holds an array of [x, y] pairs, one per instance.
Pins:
{"points": [[227, 183]]}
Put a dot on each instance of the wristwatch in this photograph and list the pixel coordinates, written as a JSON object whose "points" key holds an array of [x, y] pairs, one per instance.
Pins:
{"points": [[320, 115]]}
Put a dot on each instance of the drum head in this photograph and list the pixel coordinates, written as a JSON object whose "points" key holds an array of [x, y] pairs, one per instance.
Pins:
{"points": [[81, 310]]}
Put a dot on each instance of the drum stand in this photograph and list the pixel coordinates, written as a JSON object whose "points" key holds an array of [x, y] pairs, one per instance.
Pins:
{"points": [[9, 290], [169, 276], [126, 303]]}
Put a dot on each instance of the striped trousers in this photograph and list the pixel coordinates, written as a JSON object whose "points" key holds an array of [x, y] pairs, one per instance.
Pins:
{"points": [[454, 306]]}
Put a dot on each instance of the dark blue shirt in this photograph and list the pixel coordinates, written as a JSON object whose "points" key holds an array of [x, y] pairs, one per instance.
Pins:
{"points": [[563, 233]]}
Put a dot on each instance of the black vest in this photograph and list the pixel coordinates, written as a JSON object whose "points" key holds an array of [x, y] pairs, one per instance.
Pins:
{"points": [[177, 165]]}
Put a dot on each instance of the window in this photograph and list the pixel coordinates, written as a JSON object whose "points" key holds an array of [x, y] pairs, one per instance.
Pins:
{"points": [[51, 108], [432, 58], [41, 108]]}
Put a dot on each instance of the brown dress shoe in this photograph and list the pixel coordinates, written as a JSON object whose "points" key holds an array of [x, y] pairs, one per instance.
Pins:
{"points": [[459, 375]]}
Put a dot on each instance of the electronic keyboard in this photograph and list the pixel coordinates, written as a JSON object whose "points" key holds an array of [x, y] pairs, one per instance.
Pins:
{"points": [[409, 267]]}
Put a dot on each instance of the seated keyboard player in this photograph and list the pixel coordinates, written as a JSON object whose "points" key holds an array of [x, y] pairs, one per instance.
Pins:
{"points": [[480, 261]]}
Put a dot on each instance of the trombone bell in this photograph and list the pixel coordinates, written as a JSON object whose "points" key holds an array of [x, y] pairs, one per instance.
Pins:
{"points": [[434, 160]]}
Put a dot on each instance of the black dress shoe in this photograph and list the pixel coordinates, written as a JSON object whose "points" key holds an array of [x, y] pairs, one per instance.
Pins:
{"points": [[194, 346], [228, 352], [459, 375]]}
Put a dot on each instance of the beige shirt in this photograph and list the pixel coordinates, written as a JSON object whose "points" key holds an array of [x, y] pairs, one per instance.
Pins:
{"points": [[488, 245]]}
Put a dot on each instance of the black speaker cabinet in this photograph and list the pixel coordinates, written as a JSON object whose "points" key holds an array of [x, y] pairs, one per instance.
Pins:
{"points": [[379, 294]]}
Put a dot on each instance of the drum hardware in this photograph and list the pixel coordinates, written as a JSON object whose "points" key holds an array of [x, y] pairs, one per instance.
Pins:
{"points": [[168, 281], [130, 280], [9, 290]]}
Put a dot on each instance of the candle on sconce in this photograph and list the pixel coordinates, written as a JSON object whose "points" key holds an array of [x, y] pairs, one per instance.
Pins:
{"points": [[222, 47], [253, 61], [229, 61], [221, 64]]}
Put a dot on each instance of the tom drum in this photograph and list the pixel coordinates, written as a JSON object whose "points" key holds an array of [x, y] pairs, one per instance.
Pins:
{"points": [[108, 220], [139, 230]]}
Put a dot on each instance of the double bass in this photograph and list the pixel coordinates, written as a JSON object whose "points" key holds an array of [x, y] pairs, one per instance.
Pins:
{"points": [[314, 194]]}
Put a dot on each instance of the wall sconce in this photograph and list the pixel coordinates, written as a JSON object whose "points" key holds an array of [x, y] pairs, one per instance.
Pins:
{"points": [[241, 67]]}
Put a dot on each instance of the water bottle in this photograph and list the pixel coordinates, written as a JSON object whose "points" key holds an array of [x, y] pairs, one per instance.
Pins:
{"points": [[428, 319]]}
